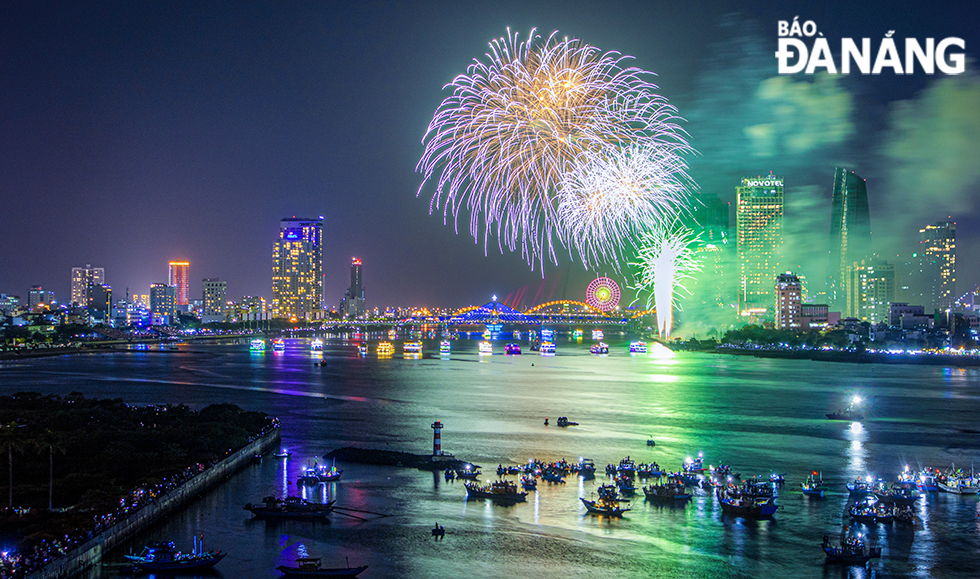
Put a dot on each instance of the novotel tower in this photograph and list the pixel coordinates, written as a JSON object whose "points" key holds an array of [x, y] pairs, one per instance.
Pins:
{"points": [[297, 270], [759, 221]]}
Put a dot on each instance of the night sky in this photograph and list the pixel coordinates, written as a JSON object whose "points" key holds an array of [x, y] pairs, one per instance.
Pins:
{"points": [[135, 133]]}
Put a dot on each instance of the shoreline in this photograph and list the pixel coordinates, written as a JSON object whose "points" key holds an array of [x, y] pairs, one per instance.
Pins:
{"points": [[845, 357]]}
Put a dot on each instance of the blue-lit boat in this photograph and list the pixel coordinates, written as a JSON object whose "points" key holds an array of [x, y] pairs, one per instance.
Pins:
{"points": [[278, 344], [638, 347], [316, 345], [445, 347], [813, 485], [257, 345], [512, 349], [166, 558], [547, 348]]}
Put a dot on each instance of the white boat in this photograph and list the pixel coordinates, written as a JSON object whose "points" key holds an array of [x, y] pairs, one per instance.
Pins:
{"points": [[547, 348], [638, 347], [257, 344], [598, 334], [445, 347], [486, 348], [412, 347], [316, 345]]}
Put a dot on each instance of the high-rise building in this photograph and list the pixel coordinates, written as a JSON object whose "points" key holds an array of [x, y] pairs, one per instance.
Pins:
{"points": [[353, 305], [178, 277], [937, 264], [83, 279], [215, 300], [38, 296], [850, 232], [163, 301], [101, 304], [297, 270], [871, 290], [789, 292], [759, 221]]}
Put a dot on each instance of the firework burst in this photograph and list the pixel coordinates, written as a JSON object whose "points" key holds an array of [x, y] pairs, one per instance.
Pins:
{"points": [[500, 145], [618, 192], [665, 260]]}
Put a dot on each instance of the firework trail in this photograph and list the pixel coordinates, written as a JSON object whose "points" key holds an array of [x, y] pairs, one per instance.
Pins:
{"points": [[499, 147], [617, 193], [665, 260]]}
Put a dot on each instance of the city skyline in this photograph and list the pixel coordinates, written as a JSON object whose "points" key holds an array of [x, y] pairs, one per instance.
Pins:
{"points": [[174, 172]]}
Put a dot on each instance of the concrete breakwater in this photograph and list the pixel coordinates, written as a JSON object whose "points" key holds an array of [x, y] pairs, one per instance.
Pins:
{"points": [[90, 553], [393, 458]]}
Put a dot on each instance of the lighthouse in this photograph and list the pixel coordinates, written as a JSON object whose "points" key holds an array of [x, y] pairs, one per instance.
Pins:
{"points": [[437, 438]]}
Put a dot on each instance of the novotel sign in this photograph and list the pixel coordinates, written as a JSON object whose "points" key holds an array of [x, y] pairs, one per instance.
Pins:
{"points": [[771, 182]]}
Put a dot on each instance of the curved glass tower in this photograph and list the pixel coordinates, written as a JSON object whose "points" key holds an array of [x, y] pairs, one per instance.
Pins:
{"points": [[850, 232]]}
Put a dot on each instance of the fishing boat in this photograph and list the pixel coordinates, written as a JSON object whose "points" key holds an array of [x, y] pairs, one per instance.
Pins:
{"points": [[925, 480], [651, 442], [529, 483], [278, 344], [607, 503], [290, 508], [638, 347], [412, 347], [547, 348], [599, 348], [694, 465], [668, 492], [165, 557], [625, 485], [861, 486], [564, 422], [468, 473], [850, 551], [813, 485], [284, 453], [445, 347], [553, 477], [749, 507], [899, 493], [955, 481], [512, 350], [645, 470], [884, 513], [385, 348], [486, 348], [450, 474], [863, 512], [310, 567], [852, 413], [257, 345], [316, 345], [501, 491], [586, 468]]}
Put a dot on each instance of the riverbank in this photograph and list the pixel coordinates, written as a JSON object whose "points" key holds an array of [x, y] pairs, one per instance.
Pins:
{"points": [[90, 553], [843, 356]]}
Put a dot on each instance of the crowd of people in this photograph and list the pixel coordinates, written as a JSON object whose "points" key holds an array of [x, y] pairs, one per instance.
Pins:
{"points": [[16, 565]]}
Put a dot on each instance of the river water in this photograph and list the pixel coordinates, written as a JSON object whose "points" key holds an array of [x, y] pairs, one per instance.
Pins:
{"points": [[758, 415]]}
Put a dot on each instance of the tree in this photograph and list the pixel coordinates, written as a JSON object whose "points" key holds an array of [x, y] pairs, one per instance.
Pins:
{"points": [[11, 439], [52, 442]]}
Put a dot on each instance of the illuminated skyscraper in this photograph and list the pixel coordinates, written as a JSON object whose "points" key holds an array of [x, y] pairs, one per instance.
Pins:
{"points": [[937, 259], [870, 290], [759, 221], [850, 232], [215, 300], [789, 301], [353, 306], [83, 279], [163, 302], [178, 278], [297, 270]]}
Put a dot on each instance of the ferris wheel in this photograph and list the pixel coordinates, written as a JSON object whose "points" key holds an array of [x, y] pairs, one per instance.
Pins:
{"points": [[602, 294]]}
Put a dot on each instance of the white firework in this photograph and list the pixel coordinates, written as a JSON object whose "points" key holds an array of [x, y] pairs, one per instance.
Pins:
{"points": [[500, 145], [665, 260], [615, 193]]}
